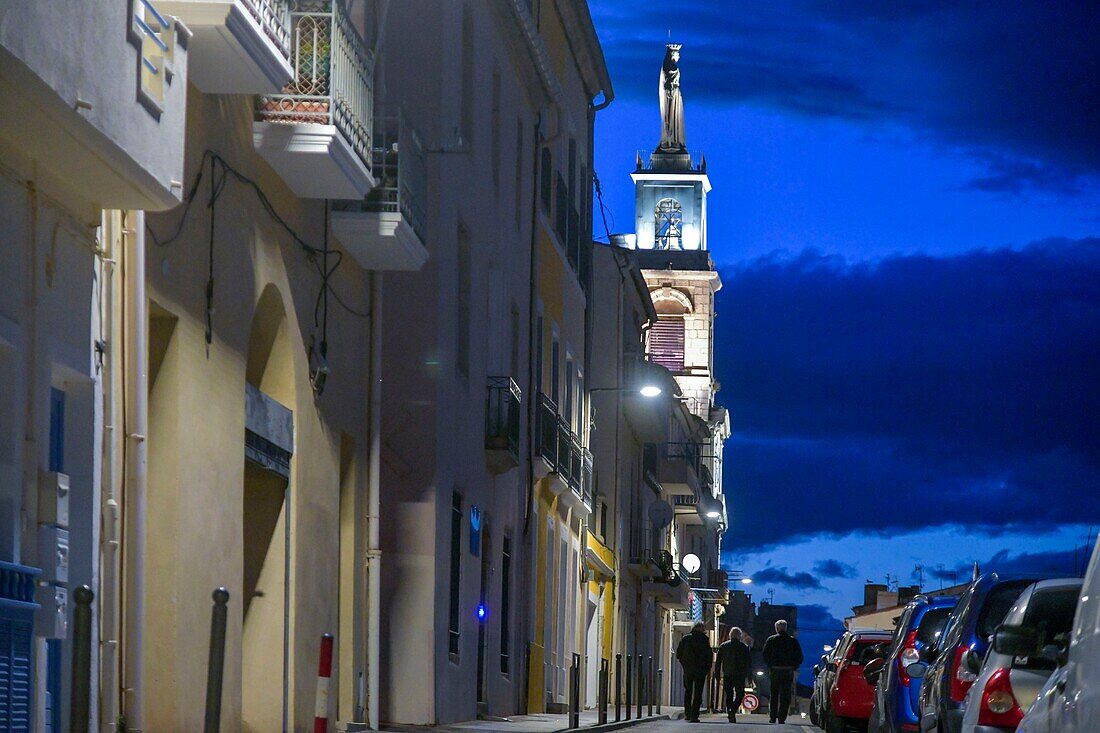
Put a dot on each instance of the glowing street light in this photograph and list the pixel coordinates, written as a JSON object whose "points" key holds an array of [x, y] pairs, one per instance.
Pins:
{"points": [[746, 581], [650, 390]]}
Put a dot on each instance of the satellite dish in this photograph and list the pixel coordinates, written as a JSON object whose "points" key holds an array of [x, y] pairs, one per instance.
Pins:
{"points": [[691, 563], [661, 513]]}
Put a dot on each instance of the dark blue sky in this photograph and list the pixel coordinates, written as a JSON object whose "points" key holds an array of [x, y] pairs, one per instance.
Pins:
{"points": [[906, 212]]}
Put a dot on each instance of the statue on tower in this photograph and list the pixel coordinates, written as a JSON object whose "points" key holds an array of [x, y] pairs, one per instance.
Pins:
{"points": [[672, 104]]}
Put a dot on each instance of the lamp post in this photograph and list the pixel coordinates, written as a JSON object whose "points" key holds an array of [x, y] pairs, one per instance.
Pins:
{"points": [[645, 390]]}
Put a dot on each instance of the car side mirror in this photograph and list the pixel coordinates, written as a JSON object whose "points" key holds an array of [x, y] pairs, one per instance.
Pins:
{"points": [[973, 661], [831, 666], [817, 670], [916, 670], [1015, 641], [873, 670]]}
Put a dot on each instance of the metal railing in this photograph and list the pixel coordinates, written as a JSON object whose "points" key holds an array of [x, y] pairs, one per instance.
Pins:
{"points": [[274, 19], [398, 164], [687, 452], [562, 449], [502, 412], [333, 80]]}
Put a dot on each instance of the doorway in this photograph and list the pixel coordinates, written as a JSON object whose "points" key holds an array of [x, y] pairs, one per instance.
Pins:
{"points": [[266, 518], [593, 648]]}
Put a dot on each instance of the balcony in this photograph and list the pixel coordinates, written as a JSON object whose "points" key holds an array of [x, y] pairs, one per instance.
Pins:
{"points": [[239, 46], [385, 231], [563, 453], [317, 132], [676, 467], [502, 418]]}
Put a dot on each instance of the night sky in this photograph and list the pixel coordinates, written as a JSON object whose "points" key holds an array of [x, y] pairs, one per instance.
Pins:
{"points": [[906, 215]]}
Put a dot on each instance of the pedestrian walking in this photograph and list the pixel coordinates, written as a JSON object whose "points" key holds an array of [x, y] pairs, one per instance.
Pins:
{"points": [[695, 657], [782, 655], [733, 666]]}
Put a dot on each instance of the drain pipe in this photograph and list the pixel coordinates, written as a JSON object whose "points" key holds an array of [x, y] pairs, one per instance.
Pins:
{"points": [[136, 411], [109, 509], [374, 548]]}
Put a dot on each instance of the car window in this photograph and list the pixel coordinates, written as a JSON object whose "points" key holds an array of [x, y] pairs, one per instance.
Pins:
{"points": [[997, 605], [950, 633], [1050, 613], [931, 624], [901, 631], [863, 651]]}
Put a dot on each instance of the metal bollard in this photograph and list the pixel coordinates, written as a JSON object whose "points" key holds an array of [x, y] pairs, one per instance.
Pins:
{"points": [[575, 692], [629, 684], [601, 714], [618, 687], [641, 683], [80, 701], [215, 665], [660, 687], [649, 686]]}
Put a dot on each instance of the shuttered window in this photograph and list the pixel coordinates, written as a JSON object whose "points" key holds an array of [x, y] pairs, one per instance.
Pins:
{"points": [[15, 675], [666, 343]]}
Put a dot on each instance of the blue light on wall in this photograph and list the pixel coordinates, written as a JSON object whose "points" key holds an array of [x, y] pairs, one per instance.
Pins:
{"points": [[482, 612]]}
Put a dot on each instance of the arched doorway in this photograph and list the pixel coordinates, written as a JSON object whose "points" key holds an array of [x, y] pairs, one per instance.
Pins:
{"points": [[269, 441]]}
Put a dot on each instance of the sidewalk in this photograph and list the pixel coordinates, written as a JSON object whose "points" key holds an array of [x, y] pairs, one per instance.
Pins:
{"points": [[539, 723]]}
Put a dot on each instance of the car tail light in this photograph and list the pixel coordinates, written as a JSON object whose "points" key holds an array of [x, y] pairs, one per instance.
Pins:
{"points": [[961, 677], [909, 655], [999, 707]]}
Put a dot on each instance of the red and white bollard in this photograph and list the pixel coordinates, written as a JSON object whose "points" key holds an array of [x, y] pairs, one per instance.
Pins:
{"points": [[324, 674]]}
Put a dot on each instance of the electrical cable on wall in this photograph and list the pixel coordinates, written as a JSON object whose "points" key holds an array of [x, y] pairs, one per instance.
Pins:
{"points": [[220, 172], [603, 209]]}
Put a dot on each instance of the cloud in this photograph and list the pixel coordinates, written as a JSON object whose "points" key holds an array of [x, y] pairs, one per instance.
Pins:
{"points": [[1007, 562], [912, 391], [1013, 82], [834, 569], [780, 576]]}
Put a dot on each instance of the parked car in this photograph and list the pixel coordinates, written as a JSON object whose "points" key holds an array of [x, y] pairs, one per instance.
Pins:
{"points": [[956, 658], [819, 698], [1070, 700], [1025, 648], [897, 694], [850, 695]]}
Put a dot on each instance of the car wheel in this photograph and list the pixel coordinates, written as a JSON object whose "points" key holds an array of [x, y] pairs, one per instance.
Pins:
{"points": [[813, 715]]}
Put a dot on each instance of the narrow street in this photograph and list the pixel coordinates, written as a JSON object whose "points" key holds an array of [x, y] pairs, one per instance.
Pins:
{"points": [[718, 724]]}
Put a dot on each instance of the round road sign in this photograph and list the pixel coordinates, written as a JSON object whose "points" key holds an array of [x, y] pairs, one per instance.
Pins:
{"points": [[750, 702]]}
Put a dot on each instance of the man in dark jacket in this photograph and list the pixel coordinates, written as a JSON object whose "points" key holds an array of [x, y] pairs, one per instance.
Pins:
{"points": [[783, 655], [695, 657], [733, 665]]}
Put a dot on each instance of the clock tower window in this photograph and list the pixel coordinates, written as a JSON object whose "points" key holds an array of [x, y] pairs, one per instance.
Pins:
{"points": [[668, 220]]}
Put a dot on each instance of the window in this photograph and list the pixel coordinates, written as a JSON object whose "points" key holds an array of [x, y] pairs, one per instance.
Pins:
{"points": [[518, 203], [494, 140], [668, 220], [513, 327], [666, 343], [603, 521], [469, 87], [573, 171], [540, 352], [462, 304], [505, 605], [57, 430], [555, 376], [456, 570], [546, 180], [568, 405]]}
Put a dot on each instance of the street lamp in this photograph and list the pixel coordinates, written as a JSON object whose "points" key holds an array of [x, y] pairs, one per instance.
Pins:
{"points": [[646, 390], [746, 581]]}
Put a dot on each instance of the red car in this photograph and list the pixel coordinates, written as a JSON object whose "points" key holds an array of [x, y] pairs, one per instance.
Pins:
{"points": [[850, 695]]}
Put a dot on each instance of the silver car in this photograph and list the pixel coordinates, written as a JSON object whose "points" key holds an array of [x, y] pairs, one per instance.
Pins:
{"points": [[1023, 655]]}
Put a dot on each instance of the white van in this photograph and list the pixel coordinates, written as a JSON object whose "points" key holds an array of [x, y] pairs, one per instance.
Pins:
{"points": [[1070, 700]]}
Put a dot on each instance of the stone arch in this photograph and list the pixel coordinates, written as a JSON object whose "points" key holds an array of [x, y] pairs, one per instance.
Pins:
{"points": [[671, 301]]}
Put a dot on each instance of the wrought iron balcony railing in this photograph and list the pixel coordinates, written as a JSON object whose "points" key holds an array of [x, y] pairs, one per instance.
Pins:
{"points": [[398, 164], [502, 415], [562, 450], [274, 18], [333, 80]]}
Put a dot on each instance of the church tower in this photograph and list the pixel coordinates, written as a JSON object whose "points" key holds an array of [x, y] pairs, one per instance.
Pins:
{"points": [[670, 243]]}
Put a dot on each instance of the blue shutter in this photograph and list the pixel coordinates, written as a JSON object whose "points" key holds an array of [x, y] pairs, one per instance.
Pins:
{"points": [[15, 675]]}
